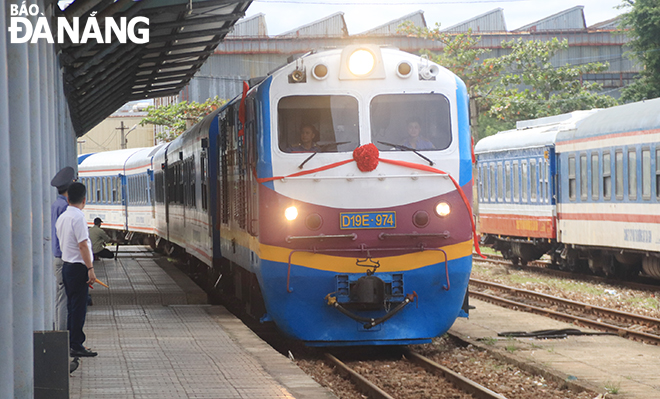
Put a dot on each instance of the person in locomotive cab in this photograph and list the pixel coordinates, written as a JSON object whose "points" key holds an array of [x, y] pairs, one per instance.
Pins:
{"points": [[99, 239], [308, 138], [77, 269], [414, 139]]}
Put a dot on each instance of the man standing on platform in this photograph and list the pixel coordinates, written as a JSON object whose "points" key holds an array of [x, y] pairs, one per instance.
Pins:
{"points": [[61, 181], [78, 269]]}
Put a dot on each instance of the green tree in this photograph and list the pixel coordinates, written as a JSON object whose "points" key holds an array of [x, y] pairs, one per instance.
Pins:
{"points": [[177, 117], [642, 23], [495, 83], [532, 87]]}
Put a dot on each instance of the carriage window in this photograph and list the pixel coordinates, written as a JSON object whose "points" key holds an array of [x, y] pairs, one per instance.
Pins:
{"points": [[632, 174], [499, 181], [507, 181], [492, 182], [484, 178], [595, 190], [318, 123], [646, 174], [546, 179], [481, 183], [534, 181], [572, 184], [404, 121], [657, 173], [584, 178], [516, 183], [523, 187], [607, 176], [618, 169]]}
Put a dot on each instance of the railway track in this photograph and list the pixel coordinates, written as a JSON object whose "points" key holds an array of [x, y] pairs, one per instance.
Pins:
{"points": [[544, 267], [366, 386], [625, 324]]}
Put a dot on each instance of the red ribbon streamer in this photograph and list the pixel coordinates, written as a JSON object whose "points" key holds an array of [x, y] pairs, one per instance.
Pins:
{"points": [[241, 109], [399, 163]]}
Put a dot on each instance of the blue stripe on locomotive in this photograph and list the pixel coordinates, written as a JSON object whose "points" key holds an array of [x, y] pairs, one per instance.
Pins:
{"points": [[464, 137], [304, 314], [265, 162]]}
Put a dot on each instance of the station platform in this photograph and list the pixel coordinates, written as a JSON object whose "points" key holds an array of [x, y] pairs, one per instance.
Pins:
{"points": [[597, 362], [157, 338]]}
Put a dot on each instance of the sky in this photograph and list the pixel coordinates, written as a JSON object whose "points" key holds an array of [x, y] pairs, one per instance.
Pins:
{"points": [[362, 15]]}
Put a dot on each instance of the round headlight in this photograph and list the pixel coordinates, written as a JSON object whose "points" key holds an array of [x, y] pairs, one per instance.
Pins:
{"points": [[314, 221], [404, 69], [421, 219], [320, 71], [361, 62], [291, 213], [442, 209]]}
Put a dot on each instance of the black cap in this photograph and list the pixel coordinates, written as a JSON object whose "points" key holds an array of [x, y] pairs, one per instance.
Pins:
{"points": [[63, 178], [98, 221]]}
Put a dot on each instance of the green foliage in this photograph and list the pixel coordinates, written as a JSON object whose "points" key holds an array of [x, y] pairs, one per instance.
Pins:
{"points": [[177, 117], [494, 84], [643, 26], [549, 90]]}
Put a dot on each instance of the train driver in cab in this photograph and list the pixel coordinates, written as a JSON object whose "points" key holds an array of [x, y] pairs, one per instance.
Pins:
{"points": [[414, 139], [309, 136]]}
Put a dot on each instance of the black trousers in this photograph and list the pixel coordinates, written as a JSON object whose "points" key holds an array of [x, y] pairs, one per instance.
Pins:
{"points": [[75, 276], [105, 253]]}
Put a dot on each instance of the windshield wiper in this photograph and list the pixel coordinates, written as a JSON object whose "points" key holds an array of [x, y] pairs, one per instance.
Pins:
{"points": [[322, 146], [403, 147]]}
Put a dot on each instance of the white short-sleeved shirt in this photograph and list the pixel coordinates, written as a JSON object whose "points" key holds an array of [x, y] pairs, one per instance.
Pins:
{"points": [[72, 229]]}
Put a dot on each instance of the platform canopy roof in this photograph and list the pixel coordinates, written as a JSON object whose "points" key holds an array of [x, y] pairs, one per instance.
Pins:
{"points": [[99, 78]]}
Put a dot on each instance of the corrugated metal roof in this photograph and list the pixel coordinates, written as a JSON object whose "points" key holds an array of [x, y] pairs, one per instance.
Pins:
{"points": [[571, 19], [330, 26], [99, 78], [492, 21], [607, 25], [254, 26], [391, 28]]}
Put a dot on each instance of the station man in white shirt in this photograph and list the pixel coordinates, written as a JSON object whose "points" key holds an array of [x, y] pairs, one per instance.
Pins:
{"points": [[77, 269]]}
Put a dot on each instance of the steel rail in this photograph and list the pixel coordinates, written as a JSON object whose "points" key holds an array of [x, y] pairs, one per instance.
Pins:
{"points": [[595, 324], [581, 306], [460, 382], [363, 385], [367, 387]]}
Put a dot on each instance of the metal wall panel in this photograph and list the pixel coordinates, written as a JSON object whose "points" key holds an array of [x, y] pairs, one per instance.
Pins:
{"points": [[492, 21], [331, 26], [254, 26], [391, 28]]}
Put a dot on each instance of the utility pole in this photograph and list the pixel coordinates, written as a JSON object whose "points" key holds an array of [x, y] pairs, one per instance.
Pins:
{"points": [[123, 138]]}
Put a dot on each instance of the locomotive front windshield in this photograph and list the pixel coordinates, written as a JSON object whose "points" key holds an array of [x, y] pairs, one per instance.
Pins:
{"points": [[401, 122], [318, 124]]}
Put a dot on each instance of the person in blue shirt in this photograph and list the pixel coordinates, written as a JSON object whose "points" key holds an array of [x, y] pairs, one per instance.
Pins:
{"points": [[414, 139], [61, 181]]}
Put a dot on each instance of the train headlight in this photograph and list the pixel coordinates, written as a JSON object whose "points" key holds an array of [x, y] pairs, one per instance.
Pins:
{"points": [[442, 209], [291, 213], [361, 62]]}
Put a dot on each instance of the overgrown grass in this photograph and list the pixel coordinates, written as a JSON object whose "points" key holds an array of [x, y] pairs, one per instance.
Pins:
{"points": [[648, 303], [612, 387]]}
